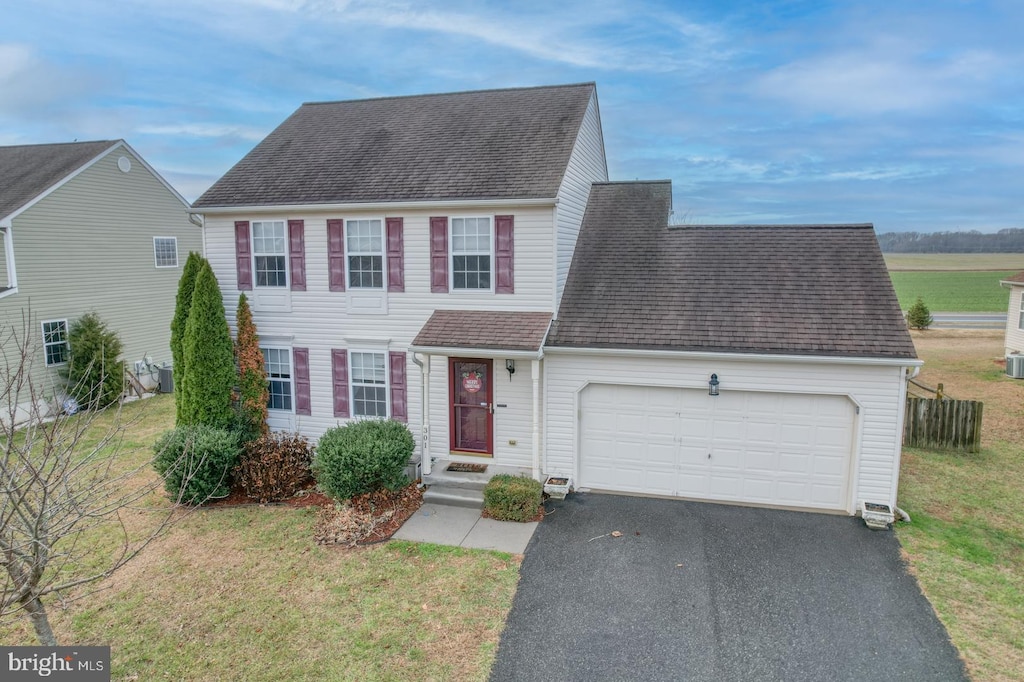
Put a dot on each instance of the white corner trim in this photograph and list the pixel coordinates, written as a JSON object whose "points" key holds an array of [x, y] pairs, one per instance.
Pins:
{"points": [[746, 357]]}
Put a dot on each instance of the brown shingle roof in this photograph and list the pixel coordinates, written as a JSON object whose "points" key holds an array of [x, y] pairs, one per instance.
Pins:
{"points": [[26, 171], [635, 282], [492, 329], [486, 144], [1016, 279]]}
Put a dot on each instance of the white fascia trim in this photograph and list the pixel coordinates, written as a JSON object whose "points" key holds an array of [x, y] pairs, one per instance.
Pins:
{"points": [[478, 352], [742, 357], [386, 206]]}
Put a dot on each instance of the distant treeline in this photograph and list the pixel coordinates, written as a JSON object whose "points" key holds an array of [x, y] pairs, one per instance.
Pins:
{"points": [[1010, 240]]}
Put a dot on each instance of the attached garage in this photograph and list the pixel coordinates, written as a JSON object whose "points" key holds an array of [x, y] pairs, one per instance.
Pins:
{"points": [[798, 322], [784, 449]]}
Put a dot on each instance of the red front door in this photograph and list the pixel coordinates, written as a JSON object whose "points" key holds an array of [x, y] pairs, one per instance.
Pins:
{"points": [[472, 418]]}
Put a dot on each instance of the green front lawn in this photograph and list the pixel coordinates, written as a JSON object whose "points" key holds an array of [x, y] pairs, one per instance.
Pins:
{"points": [[952, 291]]}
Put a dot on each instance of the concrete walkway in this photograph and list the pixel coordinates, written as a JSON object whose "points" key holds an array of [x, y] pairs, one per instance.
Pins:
{"points": [[462, 527]]}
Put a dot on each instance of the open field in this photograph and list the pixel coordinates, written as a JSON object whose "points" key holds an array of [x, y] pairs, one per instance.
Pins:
{"points": [[954, 261], [966, 541], [953, 291], [245, 594]]}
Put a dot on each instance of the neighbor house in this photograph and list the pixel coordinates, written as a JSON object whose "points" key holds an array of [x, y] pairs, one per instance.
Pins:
{"points": [[1015, 314], [90, 227], [409, 257]]}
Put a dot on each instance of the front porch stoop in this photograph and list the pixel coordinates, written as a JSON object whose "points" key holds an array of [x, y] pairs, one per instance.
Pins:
{"points": [[461, 489]]}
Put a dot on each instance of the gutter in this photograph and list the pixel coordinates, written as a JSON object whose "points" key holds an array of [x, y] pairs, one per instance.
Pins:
{"points": [[479, 352], [379, 206], [742, 357]]}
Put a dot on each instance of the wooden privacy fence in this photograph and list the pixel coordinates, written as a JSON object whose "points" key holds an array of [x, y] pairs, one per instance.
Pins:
{"points": [[942, 423]]}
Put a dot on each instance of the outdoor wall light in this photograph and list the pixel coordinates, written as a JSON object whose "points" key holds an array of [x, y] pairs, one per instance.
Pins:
{"points": [[713, 385], [510, 365]]}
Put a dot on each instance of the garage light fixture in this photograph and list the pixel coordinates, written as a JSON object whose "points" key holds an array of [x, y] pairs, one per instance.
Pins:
{"points": [[510, 365], [713, 385]]}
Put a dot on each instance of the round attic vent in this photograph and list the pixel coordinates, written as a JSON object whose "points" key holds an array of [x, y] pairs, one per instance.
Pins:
{"points": [[124, 164]]}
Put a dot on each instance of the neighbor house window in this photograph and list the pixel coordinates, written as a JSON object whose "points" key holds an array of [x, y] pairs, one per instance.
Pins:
{"points": [[269, 253], [364, 241], [55, 342], [471, 253], [369, 384], [165, 251], [278, 363]]}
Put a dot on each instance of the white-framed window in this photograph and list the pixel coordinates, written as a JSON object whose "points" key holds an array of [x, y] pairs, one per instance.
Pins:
{"points": [[269, 253], [55, 342], [364, 244], [472, 253], [278, 364], [165, 252], [369, 383]]}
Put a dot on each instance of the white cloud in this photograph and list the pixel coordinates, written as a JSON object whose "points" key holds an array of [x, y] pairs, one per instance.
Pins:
{"points": [[204, 130]]}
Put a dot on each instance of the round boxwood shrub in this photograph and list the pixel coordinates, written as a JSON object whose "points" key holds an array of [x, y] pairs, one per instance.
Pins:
{"points": [[362, 457], [196, 462], [513, 498]]}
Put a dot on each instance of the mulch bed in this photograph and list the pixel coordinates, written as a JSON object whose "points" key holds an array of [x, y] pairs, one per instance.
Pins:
{"points": [[363, 520]]}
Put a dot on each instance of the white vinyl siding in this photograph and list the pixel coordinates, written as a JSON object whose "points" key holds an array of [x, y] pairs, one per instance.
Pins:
{"points": [[1015, 320], [587, 165], [278, 364], [874, 391], [321, 320], [269, 253], [165, 252], [55, 342], [101, 216], [364, 244], [472, 254]]}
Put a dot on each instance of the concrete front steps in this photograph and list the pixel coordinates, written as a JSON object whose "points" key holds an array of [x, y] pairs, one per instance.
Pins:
{"points": [[461, 489]]}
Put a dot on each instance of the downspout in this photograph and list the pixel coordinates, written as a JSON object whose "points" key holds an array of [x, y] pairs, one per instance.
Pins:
{"points": [[912, 374], [535, 371], [424, 414]]}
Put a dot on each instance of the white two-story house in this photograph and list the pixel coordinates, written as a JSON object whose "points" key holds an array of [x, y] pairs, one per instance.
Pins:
{"points": [[404, 257], [460, 262]]}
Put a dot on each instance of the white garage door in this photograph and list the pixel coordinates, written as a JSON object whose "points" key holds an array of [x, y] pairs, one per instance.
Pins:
{"points": [[764, 448]]}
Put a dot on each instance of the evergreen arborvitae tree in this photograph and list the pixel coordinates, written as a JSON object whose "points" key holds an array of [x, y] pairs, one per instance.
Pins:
{"points": [[253, 393], [918, 316], [209, 357], [182, 305], [95, 372]]}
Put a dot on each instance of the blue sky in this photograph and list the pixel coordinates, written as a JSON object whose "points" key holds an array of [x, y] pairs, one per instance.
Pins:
{"points": [[909, 115]]}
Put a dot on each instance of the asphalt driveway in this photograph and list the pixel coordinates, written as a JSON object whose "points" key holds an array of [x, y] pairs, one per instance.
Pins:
{"points": [[696, 591]]}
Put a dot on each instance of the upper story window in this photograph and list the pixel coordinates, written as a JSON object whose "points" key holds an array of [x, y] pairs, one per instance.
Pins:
{"points": [[364, 242], [471, 253], [165, 252], [55, 342], [270, 253], [369, 384], [278, 363]]}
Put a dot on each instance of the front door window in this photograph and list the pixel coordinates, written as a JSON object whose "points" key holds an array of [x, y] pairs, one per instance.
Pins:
{"points": [[471, 409]]}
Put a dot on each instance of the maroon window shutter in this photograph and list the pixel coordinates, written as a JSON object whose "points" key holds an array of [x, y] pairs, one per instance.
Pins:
{"points": [[297, 254], [439, 255], [339, 376], [399, 394], [396, 255], [243, 255], [504, 255], [336, 254], [300, 358]]}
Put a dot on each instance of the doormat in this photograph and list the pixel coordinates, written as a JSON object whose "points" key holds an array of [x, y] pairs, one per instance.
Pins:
{"points": [[467, 468]]}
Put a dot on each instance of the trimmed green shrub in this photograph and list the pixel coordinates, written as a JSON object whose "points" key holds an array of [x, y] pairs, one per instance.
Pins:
{"points": [[183, 303], [95, 372], [362, 457], [512, 498], [918, 316], [275, 466], [209, 358], [196, 462], [253, 393]]}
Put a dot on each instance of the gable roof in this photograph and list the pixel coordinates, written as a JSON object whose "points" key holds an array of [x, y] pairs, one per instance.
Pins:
{"points": [[1014, 279], [635, 282], [26, 171], [487, 144], [484, 329]]}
